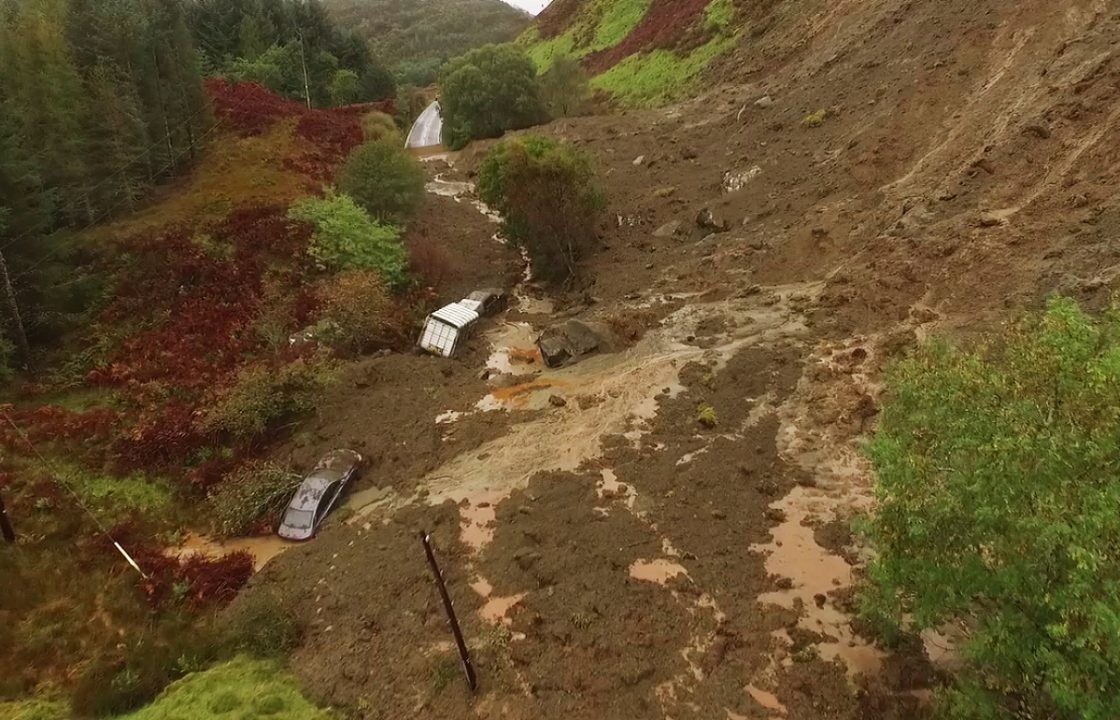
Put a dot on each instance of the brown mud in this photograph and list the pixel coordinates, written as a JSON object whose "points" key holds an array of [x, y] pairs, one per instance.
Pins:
{"points": [[611, 554]]}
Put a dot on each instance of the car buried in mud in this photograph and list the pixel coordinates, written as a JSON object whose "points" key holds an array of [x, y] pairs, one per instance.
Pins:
{"points": [[318, 494]]}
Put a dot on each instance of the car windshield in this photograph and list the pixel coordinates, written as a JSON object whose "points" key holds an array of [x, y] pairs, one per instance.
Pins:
{"points": [[299, 519]]}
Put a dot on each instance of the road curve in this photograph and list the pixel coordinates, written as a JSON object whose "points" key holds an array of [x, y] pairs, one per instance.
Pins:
{"points": [[427, 129]]}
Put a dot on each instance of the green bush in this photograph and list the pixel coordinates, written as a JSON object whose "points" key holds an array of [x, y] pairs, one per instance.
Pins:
{"points": [[259, 623], [346, 238], [999, 488], [384, 179], [254, 492], [514, 177], [378, 125], [263, 396], [488, 91]]}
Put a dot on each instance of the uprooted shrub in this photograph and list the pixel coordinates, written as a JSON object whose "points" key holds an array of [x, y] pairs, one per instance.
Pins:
{"points": [[262, 396], [358, 314], [514, 177], [347, 238], [998, 495], [250, 496]]}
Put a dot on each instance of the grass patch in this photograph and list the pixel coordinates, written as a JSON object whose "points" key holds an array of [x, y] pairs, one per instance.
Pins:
{"points": [[114, 498], [243, 688], [719, 14], [659, 76], [35, 710], [815, 119], [619, 19], [544, 52], [706, 415]]}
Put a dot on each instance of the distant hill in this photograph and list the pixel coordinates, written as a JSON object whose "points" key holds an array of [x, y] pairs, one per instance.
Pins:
{"points": [[415, 37]]}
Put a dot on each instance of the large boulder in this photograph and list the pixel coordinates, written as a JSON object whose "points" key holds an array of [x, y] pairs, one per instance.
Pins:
{"points": [[570, 341]]}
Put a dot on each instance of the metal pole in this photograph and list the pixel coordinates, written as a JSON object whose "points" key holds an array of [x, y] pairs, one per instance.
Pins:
{"points": [[6, 524], [464, 656]]}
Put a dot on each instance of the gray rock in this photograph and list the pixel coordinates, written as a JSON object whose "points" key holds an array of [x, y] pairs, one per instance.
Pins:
{"points": [[639, 160], [570, 341], [669, 229], [709, 219], [989, 219], [764, 102]]}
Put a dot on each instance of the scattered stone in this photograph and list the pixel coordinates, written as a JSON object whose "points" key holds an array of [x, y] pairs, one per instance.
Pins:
{"points": [[484, 374], [989, 219], [709, 219], [570, 341], [784, 583], [819, 232], [756, 243], [526, 559], [750, 290], [807, 481], [719, 515], [664, 192], [775, 515], [688, 153], [669, 229], [764, 102], [1038, 129], [556, 401], [639, 160], [733, 181], [986, 165], [820, 599]]}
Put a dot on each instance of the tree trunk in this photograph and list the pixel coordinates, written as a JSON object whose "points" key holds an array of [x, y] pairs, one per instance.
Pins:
{"points": [[13, 314]]}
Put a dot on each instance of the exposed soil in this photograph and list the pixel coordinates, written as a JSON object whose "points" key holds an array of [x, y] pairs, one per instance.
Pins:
{"points": [[612, 551]]}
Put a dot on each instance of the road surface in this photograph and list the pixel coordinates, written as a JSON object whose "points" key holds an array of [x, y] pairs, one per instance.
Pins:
{"points": [[426, 130]]}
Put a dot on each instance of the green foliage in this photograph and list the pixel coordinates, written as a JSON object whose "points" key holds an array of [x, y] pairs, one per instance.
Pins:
{"points": [[815, 119], [411, 101], [346, 238], [242, 688], [358, 314], [272, 41], [255, 492], [618, 19], [263, 396], [486, 92], [345, 88], [661, 75], [384, 179], [260, 624], [517, 174], [378, 126], [416, 38], [115, 498], [564, 87], [997, 496], [719, 14], [706, 415], [545, 52]]}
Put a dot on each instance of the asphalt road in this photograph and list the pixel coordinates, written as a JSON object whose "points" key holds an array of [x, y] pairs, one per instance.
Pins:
{"points": [[426, 130]]}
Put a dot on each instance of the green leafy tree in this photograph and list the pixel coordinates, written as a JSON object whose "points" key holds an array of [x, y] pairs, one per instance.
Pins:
{"points": [[998, 488], [346, 88], [488, 91], [346, 238], [549, 198], [564, 87], [384, 179]]}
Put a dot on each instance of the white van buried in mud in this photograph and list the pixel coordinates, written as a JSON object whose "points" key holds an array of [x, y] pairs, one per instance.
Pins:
{"points": [[447, 328]]}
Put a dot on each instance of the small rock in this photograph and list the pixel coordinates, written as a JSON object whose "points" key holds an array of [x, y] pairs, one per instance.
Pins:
{"points": [[688, 153], [986, 165], [484, 374], [719, 515], [784, 583], [989, 219], [756, 244], [526, 559], [669, 229], [1038, 129], [639, 160], [764, 102], [556, 401], [708, 219], [820, 599], [819, 232]]}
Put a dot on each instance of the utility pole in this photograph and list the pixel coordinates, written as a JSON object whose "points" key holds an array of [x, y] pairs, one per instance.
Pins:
{"points": [[306, 81], [13, 314], [464, 655], [6, 524]]}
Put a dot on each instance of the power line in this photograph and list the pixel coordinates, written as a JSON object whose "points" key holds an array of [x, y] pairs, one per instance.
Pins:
{"points": [[53, 471]]}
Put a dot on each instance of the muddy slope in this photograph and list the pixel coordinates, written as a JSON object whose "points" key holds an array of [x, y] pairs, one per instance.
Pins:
{"points": [[662, 531]]}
